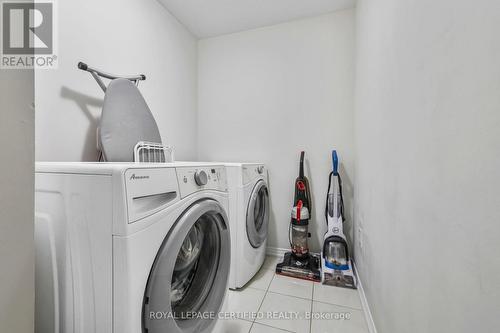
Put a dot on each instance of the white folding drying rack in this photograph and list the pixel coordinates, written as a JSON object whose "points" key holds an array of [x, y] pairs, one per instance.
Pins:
{"points": [[151, 152]]}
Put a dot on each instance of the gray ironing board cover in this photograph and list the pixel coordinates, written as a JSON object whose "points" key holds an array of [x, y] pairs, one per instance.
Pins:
{"points": [[125, 120]]}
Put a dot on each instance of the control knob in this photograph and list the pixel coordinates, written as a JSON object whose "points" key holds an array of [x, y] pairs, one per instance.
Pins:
{"points": [[201, 178]]}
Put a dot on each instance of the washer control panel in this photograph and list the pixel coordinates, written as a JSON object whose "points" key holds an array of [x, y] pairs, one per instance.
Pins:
{"points": [[194, 179], [251, 172]]}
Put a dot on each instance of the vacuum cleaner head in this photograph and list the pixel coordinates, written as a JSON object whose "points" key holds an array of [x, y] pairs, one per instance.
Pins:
{"points": [[306, 268], [336, 265]]}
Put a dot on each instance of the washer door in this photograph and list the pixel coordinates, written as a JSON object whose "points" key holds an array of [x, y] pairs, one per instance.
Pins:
{"points": [[258, 214], [188, 280]]}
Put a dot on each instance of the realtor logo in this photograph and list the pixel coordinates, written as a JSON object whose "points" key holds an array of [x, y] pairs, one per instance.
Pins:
{"points": [[28, 35]]}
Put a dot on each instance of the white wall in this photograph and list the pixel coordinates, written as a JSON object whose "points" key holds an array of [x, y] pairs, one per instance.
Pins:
{"points": [[266, 94], [123, 37], [16, 201], [427, 164]]}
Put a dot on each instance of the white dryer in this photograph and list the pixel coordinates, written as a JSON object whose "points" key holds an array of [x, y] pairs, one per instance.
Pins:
{"points": [[249, 219], [130, 248]]}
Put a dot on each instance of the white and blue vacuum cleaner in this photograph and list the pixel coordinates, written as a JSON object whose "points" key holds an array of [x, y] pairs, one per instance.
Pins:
{"points": [[336, 265]]}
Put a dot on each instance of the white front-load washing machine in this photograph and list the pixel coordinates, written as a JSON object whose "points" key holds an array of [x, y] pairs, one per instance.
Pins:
{"points": [[249, 219], [130, 248]]}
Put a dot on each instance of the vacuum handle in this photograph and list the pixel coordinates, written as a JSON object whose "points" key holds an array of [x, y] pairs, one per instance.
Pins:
{"points": [[335, 162], [301, 168], [84, 67]]}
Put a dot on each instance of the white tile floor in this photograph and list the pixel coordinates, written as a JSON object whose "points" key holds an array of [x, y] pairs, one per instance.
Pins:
{"points": [[311, 307]]}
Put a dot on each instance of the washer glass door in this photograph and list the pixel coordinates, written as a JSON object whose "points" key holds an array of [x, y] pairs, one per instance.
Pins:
{"points": [[188, 281], [258, 214]]}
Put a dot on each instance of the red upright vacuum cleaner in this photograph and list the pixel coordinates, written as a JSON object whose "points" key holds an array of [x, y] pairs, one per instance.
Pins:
{"points": [[300, 263]]}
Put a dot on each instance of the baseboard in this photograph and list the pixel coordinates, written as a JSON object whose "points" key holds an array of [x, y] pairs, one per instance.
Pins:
{"points": [[364, 304], [276, 251]]}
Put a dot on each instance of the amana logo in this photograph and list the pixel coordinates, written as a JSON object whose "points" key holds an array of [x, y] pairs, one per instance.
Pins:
{"points": [[134, 177]]}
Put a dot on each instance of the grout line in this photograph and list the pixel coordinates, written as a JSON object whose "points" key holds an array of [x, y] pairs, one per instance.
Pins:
{"points": [[358, 293], [276, 328], [292, 279], [271, 267], [302, 298], [340, 305], [253, 288], [248, 321], [251, 280], [269, 285], [262, 302]]}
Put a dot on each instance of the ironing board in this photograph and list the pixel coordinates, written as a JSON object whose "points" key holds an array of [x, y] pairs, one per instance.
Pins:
{"points": [[126, 119]]}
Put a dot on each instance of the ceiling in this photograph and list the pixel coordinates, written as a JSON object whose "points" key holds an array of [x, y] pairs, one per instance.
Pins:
{"points": [[208, 18]]}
